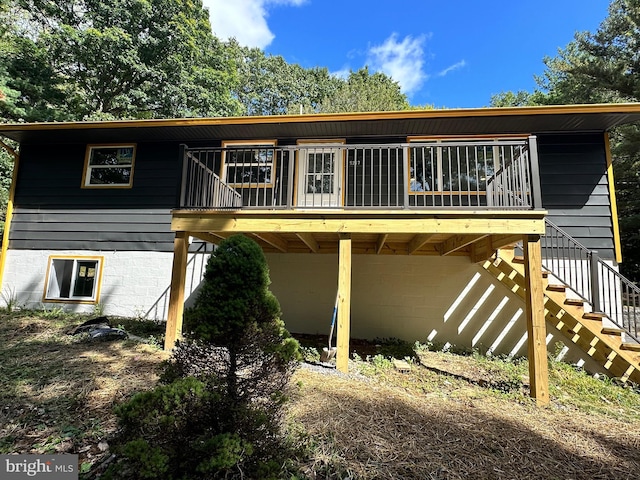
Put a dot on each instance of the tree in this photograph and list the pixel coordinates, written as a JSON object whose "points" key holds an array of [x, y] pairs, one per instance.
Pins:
{"points": [[219, 409], [236, 310], [365, 92], [117, 59], [6, 168], [521, 98], [596, 68], [268, 85]]}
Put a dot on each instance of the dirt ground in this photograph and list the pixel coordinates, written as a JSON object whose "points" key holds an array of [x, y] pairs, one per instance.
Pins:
{"points": [[450, 417]]}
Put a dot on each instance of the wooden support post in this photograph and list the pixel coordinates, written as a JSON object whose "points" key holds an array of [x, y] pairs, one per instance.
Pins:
{"points": [[176, 298], [536, 328], [344, 303]]}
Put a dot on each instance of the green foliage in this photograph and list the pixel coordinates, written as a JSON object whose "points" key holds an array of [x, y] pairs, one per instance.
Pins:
{"points": [[268, 85], [365, 92], [9, 298], [219, 410], [158, 409], [222, 453], [396, 348], [520, 98], [6, 172], [602, 67], [310, 354], [150, 462], [234, 294], [90, 60], [115, 59], [183, 429]]}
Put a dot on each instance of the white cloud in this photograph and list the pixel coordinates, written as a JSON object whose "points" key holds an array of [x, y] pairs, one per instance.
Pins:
{"points": [[245, 20], [452, 68], [402, 60], [342, 73]]}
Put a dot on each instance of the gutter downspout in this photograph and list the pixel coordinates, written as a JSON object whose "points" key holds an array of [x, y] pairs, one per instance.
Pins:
{"points": [[7, 222]]}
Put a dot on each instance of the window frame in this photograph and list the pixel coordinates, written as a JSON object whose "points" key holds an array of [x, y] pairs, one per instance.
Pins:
{"points": [[442, 141], [250, 145], [94, 299], [86, 174]]}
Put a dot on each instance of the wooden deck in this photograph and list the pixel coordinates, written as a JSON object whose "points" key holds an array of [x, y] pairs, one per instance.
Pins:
{"points": [[473, 233], [476, 234]]}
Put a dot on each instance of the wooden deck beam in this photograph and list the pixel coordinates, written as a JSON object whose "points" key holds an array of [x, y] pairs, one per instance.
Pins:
{"points": [[382, 238], [473, 223], [536, 328], [418, 241], [214, 238], [273, 240], [459, 241], [309, 240], [176, 297], [344, 303]]}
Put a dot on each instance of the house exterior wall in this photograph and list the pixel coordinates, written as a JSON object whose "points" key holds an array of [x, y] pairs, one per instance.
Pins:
{"points": [[575, 189], [50, 176], [107, 229], [53, 211], [134, 283], [445, 300], [400, 296], [440, 299]]}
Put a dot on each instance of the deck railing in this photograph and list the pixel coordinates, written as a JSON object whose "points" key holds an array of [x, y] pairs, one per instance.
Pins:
{"points": [[202, 187], [487, 173], [593, 280]]}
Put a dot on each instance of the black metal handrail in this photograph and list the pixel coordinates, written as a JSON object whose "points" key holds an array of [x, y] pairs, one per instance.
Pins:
{"points": [[206, 189], [488, 173], [592, 279]]}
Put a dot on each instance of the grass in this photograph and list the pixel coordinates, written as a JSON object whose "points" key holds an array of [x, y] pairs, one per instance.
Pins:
{"points": [[452, 416], [57, 390]]}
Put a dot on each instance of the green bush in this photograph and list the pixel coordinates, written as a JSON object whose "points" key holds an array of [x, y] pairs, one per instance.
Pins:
{"points": [[218, 410], [150, 461]]}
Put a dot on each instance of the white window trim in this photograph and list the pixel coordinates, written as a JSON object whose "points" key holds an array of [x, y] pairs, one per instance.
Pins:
{"points": [[94, 299], [249, 145]]}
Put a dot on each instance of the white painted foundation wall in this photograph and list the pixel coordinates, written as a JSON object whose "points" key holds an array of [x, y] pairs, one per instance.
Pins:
{"points": [[438, 299], [134, 284], [445, 300]]}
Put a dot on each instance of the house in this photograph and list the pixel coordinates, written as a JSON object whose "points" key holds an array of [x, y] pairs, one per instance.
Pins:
{"points": [[411, 217]]}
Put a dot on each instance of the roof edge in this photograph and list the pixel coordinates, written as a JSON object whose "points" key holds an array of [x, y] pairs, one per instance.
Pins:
{"points": [[614, 108]]}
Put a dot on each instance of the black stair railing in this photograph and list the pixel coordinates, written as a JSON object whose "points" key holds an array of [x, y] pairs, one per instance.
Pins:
{"points": [[592, 279]]}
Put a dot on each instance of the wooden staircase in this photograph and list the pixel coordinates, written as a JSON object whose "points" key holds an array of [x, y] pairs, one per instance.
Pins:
{"points": [[584, 329]]}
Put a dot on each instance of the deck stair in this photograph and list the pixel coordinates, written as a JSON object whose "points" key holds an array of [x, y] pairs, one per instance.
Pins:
{"points": [[568, 316]]}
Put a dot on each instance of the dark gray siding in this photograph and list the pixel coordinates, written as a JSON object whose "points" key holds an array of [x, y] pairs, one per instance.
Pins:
{"points": [[575, 191], [52, 211], [103, 229]]}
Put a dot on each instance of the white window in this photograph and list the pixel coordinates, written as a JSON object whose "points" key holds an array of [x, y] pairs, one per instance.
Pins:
{"points": [[108, 166], [458, 165], [73, 279], [249, 164]]}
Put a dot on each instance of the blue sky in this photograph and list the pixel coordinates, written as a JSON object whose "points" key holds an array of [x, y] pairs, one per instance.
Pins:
{"points": [[449, 53]]}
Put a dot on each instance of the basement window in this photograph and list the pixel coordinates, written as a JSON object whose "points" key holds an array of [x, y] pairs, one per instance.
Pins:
{"points": [[73, 279], [109, 166]]}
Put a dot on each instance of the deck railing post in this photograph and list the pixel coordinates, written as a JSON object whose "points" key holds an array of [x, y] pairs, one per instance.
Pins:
{"points": [[183, 182], [536, 192], [290, 176], [594, 260], [405, 181]]}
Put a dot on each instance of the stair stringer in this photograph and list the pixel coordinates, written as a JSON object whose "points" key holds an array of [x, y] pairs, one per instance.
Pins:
{"points": [[581, 328]]}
